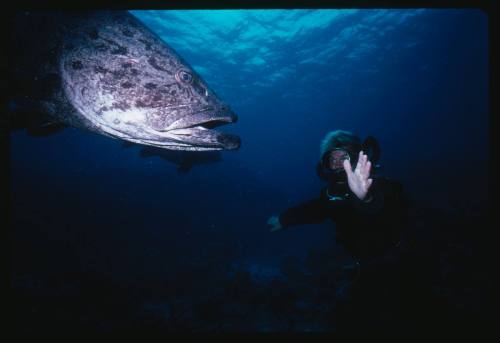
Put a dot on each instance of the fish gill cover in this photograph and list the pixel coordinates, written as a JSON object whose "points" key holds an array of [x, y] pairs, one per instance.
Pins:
{"points": [[116, 237]]}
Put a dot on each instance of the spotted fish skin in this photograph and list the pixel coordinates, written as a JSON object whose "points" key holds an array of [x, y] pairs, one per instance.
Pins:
{"points": [[107, 72]]}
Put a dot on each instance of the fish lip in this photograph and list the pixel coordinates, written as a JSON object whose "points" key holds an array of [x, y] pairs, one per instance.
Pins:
{"points": [[229, 141], [192, 133], [208, 139], [205, 118]]}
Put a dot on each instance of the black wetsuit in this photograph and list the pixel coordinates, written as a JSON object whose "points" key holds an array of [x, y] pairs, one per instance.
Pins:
{"points": [[374, 233], [367, 229]]}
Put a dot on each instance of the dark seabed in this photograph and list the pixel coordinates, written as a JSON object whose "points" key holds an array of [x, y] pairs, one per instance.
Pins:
{"points": [[106, 238]]}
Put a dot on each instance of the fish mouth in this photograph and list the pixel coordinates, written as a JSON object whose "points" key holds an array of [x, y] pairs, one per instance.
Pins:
{"points": [[200, 136], [197, 132]]}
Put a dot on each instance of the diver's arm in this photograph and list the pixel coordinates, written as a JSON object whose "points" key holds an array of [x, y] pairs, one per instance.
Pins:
{"points": [[384, 195], [366, 195], [374, 201], [310, 212]]}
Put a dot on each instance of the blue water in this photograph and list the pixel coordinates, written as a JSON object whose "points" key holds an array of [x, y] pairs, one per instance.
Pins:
{"points": [[416, 79]]}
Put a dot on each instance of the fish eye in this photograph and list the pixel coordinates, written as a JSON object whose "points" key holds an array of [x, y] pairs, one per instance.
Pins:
{"points": [[184, 76]]}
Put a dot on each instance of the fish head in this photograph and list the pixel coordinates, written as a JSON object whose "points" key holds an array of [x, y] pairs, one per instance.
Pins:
{"points": [[129, 84]]}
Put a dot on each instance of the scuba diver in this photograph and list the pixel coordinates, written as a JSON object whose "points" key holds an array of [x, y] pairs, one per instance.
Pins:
{"points": [[368, 210], [370, 215]]}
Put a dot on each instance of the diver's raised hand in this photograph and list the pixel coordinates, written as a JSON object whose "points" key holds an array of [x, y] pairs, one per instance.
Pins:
{"points": [[274, 223], [359, 181]]}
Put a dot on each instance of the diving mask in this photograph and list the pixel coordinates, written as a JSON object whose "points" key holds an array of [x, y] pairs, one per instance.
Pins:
{"points": [[336, 159]]}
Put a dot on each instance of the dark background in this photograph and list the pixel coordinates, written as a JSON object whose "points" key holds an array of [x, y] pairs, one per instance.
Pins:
{"points": [[102, 239]]}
